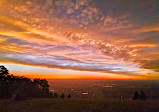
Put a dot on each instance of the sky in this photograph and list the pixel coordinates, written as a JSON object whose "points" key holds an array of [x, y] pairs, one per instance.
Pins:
{"points": [[111, 39]]}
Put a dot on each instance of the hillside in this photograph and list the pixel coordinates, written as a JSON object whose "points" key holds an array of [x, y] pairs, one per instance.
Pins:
{"points": [[79, 105]]}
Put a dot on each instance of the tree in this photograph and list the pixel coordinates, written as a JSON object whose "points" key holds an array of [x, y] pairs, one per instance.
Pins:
{"points": [[4, 82], [22, 87], [143, 96], [136, 95], [69, 96], [62, 95], [3, 71], [42, 87], [42, 84]]}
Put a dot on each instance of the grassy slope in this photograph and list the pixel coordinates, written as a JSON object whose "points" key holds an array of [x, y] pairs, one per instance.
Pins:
{"points": [[79, 105]]}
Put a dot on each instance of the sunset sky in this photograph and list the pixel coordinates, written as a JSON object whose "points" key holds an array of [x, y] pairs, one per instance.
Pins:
{"points": [[114, 39]]}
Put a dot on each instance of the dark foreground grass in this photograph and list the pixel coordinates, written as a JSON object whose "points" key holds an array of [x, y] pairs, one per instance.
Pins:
{"points": [[79, 105]]}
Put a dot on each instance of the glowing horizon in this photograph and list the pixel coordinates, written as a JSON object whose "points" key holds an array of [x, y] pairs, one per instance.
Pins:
{"points": [[80, 38]]}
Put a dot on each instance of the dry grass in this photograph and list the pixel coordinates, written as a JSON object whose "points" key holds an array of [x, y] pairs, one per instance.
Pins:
{"points": [[79, 105]]}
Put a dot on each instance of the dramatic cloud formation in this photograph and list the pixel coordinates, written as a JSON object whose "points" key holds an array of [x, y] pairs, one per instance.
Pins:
{"points": [[116, 37]]}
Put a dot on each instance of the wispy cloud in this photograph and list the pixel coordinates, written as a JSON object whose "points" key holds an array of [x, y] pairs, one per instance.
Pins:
{"points": [[82, 35]]}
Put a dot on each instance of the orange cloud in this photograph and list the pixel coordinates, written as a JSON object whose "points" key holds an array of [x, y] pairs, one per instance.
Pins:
{"points": [[75, 38]]}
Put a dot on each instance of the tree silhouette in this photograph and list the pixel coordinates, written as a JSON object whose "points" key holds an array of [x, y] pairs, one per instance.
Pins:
{"points": [[22, 87], [62, 95], [42, 86], [55, 95], [143, 96], [136, 95], [4, 82], [69, 96], [3, 71]]}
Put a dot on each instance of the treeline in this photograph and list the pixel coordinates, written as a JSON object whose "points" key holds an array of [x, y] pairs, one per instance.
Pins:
{"points": [[22, 87]]}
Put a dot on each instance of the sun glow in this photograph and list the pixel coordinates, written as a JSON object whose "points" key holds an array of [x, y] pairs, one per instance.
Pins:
{"points": [[76, 42]]}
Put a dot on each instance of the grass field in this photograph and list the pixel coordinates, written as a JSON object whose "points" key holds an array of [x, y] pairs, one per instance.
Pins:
{"points": [[79, 105]]}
